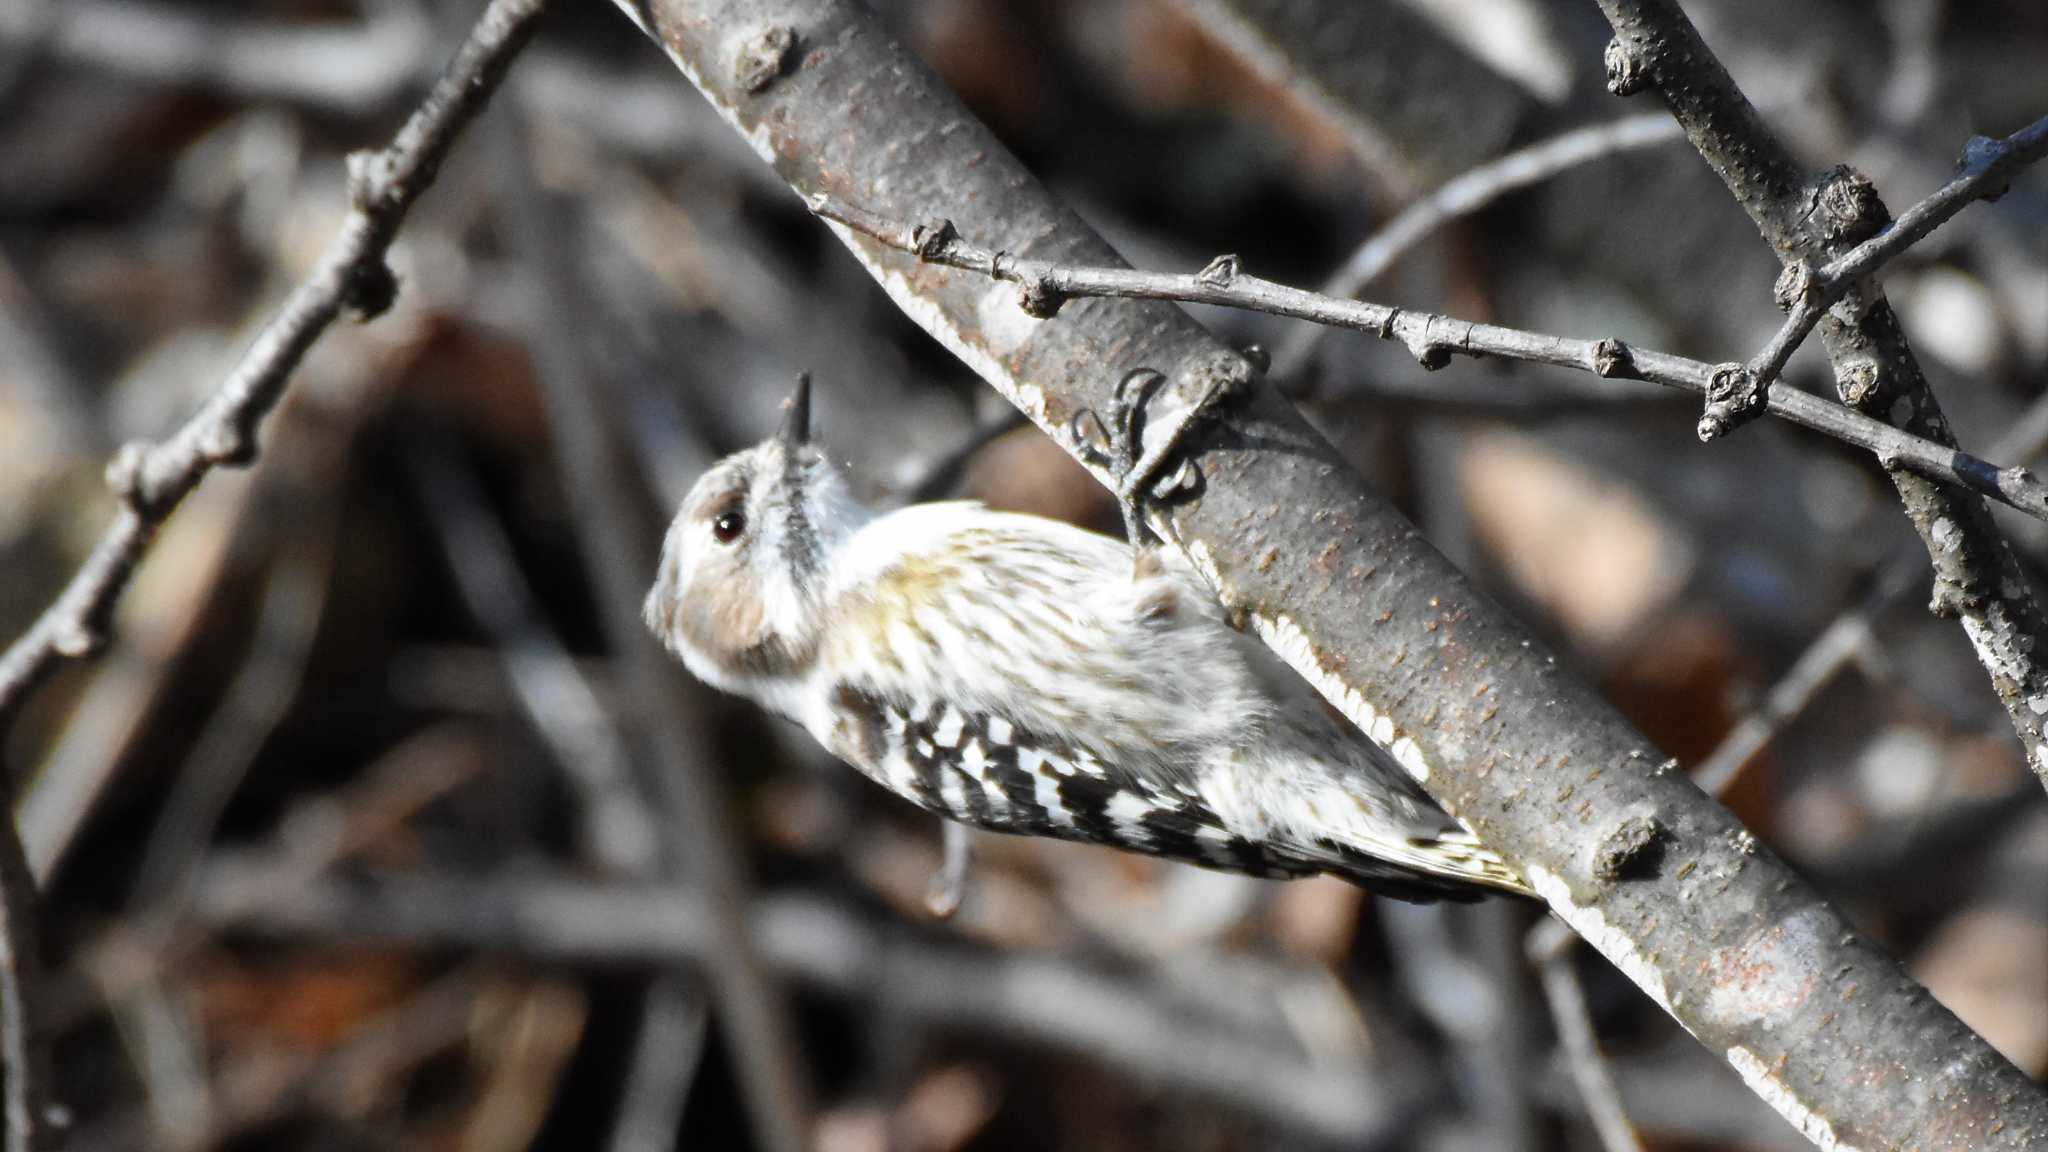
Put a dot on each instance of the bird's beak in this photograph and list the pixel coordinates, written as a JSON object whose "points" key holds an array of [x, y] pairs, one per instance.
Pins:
{"points": [[800, 545], [796, 417]]}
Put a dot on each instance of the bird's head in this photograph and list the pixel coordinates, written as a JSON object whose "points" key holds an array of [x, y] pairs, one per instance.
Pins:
{"points": [[739, 594]]}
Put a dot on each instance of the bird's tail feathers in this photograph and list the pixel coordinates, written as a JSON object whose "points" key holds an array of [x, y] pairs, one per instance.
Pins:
{"points": [[1447, 865]]}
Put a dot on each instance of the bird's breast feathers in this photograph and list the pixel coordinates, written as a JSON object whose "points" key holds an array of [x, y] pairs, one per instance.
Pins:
{"points": [[1044, 623]]}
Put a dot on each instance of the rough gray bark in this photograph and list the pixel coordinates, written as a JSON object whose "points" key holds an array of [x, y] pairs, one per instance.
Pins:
{"points": [[1822, 1024], [1814, 218]]}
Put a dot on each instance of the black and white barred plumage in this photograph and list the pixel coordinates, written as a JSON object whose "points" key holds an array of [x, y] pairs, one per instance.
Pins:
{"points": [[1025, 676]]}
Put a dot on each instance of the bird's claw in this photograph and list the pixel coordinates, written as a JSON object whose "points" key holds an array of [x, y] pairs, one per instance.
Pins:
{"points": [[1162, 474]]}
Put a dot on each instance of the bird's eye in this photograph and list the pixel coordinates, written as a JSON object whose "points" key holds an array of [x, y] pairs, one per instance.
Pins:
{"points": [[728, 526]]}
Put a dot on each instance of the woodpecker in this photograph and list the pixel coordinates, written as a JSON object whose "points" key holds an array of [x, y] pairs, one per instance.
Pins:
{"points": [[1025, 676]]}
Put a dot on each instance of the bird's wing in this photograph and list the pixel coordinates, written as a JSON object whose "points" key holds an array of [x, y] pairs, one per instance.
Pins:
{"points": [[981, 768], [1026, 676], [1017, 674]]}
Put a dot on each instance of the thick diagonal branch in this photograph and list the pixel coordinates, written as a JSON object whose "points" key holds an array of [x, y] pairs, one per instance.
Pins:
{"points": [[1818, 217], [1821, 1023]]}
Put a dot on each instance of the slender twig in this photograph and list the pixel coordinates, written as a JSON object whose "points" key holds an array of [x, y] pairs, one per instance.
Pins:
{"points": [[1820, 217], [1432, 339], [1986, 169], [1550, 948], [151, 479], [1463, 195]]}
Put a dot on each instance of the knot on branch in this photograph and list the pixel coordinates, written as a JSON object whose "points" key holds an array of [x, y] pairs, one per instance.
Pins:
{"points": [[763, 57], [372, 181], [932, 238], [1735, 396], [1626, 71], [1219, 273], [1797, 284], [1037, 295], [1038, 298], [76, 638], [1421, 342], [1952, 599], [140, 478], [1612, 359], [1857, 384], [1980, 153], [230, 443], [1847, 208], [370, 290], [1631, 848]]}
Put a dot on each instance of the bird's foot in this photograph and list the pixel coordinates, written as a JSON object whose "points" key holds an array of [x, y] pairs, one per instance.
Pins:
{"points": [[1163, 473]]}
